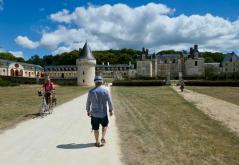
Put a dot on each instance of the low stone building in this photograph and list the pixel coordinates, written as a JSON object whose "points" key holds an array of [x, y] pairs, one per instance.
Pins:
{"points": [[61, 71], [20, 69], [110, 70]]}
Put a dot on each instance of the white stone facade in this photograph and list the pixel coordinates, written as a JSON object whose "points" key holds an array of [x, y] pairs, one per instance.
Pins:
{"points": [[19, 69], [85, 72]]}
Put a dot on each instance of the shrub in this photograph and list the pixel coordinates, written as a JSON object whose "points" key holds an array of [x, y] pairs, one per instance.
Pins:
{"points": [[139, 83], [5, 83], [211, 83]]}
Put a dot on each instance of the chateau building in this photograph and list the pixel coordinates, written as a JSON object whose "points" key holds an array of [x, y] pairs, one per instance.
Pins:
{"points": [[177, 65], [20, 69], [230, 63], [163, 65]]}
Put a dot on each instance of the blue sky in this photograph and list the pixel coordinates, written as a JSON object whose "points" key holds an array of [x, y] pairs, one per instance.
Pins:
{"points": [[31, 23]]}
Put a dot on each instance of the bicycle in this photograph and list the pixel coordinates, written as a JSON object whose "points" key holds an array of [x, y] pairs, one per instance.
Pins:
{"points": [[46, 105]]}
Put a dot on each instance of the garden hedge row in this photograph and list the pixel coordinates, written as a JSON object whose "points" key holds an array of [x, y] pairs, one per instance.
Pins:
{"points": [[139, 83], [211, 83]]}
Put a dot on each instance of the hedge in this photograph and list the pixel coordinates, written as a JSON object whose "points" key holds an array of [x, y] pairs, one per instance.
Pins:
{"points": [[5, 83], [211, 83], [139, 83]]}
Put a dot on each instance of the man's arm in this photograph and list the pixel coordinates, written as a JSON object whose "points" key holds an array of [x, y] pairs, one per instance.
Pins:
{"points": [[109, 100], [88, 103]]}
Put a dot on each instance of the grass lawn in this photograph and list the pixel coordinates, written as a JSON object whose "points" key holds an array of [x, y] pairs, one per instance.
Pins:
{"points": [[230, 94], [157, 126], [21, 102]]}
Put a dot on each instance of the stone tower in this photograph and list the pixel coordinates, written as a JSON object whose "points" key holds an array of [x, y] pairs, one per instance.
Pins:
{"points": [[86, 67]]}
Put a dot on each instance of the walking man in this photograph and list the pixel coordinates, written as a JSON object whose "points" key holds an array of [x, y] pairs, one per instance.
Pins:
{"points": [[96, 107]]}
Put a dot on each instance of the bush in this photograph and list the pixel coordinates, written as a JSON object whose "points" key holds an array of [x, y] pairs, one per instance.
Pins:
{"points": [[5, 83], [139, 83], [211, 83]]}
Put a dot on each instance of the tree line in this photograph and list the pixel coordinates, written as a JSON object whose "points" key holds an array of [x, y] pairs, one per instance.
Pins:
{"points": [[122, 56]]}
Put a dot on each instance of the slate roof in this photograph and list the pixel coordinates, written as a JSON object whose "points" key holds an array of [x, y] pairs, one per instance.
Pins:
{"points": [[86, 53], [22, 63], [232, 57]]}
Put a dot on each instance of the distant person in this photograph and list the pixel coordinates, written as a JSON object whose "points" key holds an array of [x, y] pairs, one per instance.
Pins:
{"points": [[96, 108], [48, 88], [182, 85]]}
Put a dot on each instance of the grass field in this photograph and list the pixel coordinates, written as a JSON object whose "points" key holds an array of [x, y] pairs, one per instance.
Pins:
{"points": [[157, 126], [21, 102], [230, 94]]}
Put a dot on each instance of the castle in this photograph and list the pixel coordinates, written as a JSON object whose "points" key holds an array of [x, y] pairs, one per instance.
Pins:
{"points": [[171, 66], [189, 65]]}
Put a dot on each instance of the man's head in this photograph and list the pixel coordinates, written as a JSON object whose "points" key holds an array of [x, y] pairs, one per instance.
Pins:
{"points": [[47, 80], [98, 80]]}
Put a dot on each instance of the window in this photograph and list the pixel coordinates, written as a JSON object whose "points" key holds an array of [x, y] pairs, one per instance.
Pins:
{"points": [[83, 73], [3, 70], [226, 69], [234, 69], [196, 63], [83, 81]]}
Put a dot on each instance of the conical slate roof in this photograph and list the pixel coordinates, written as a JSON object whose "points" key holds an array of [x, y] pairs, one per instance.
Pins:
{"points": [[86, 53]]}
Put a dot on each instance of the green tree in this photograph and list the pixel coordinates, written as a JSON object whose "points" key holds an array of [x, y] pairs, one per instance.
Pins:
{"points": [[36, 59]]}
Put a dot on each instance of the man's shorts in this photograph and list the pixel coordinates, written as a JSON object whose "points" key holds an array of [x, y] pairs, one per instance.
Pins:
{"points": [[95, 122]]}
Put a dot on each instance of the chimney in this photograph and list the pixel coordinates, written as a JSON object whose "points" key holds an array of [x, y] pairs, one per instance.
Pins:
{"points": [[195, 47], [147, 51], [108, 63], [143, 50], [129, 63], [103, 63]]}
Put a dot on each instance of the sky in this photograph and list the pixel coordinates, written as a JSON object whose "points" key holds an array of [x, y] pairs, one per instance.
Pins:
{"points": [[51, 27]]}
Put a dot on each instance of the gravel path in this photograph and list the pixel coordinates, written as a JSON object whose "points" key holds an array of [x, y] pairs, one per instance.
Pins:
{"points": [[63, 138], [217, 109]]}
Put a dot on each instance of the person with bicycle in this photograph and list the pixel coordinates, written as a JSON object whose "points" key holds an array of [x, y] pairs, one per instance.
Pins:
{"points": [[48, 88], [182, 85]]}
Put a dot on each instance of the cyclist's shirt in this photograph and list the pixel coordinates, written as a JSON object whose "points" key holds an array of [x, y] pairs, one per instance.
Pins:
{"points": [[49, 86]]}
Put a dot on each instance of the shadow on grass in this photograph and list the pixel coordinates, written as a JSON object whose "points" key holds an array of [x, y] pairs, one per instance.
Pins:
{"points": [[76, 146], [32, 115]]}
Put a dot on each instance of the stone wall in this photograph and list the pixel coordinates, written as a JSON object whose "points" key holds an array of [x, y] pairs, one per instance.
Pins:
{"points": [[194, 67], [144, 68]]}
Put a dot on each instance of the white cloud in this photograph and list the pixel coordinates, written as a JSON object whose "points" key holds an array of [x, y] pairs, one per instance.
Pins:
{"points": [[26, 42], [1, 5], [153, 26], [17, 53]]}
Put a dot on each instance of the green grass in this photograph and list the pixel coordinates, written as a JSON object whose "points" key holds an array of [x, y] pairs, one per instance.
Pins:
{"points": [[21, 102], [230, 94], [157, 126]]}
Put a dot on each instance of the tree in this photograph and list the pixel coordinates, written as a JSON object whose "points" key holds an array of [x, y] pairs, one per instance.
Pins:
{"points": [[35, 59], [11, 57], [213, 57]]}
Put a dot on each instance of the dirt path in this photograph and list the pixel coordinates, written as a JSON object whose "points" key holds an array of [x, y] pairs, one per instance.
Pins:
{"points": [[217, 109], [61, 138]]}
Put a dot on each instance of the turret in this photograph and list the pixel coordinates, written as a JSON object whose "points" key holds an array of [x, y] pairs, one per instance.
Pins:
{"points": [[86, 67]]}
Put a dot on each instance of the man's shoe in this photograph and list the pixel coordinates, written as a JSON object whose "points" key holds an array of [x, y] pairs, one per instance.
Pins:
{"points": [[97, 144], [103, 141]]}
